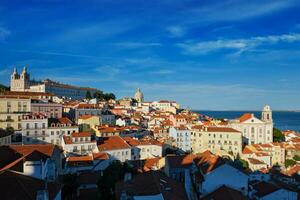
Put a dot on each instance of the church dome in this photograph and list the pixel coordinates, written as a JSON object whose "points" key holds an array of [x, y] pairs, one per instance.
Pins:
{"points": [[139, 96]]}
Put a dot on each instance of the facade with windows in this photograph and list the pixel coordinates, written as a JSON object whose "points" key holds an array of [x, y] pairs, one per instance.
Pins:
{"points": [[34, 128], [218, 140], [51, 110], [255, 131], [182, 137], [11, 111], [79, 143]]}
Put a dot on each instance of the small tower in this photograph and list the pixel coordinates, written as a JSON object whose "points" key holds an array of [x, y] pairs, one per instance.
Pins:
{"points": [[139, 97], [14, 75], [266, 114], [20, 82]]}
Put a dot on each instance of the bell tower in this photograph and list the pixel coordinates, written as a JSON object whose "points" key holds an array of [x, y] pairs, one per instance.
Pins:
{"points": [[266, 114], [19, 82]]}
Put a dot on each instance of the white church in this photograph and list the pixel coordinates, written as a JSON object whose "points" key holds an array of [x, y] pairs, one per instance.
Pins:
{"points": [[22, 83], [254, 130]]}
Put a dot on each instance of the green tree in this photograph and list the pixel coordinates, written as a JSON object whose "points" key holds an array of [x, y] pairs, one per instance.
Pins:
{"points": [[289, 162], [108, 96], [99, 95], [244, 164], [88, 95], [296, 158], [277, 135], [112, 174], [10, 130], [3, 88]]}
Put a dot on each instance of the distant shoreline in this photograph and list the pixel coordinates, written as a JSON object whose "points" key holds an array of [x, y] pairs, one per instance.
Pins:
{"points": [[196, 110]]}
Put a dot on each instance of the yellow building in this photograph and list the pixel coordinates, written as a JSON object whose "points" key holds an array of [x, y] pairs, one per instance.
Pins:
{"points": [[275, 151], [11, 111], [216, 139], [90, 120]]}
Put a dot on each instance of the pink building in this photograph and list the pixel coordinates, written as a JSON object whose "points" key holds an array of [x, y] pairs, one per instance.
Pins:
{"points": [[51, 110]]}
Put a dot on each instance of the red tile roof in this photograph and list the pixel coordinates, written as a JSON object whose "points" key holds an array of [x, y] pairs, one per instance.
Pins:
{"points": [[255, 161], [81, 134], [207, 161], [112, 143], [184, 161], [245, 117], [85, 116], [47, 149], [152, 183]]}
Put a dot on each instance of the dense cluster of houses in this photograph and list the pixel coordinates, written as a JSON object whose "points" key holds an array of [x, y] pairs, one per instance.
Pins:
{"points": [[177, 153]]}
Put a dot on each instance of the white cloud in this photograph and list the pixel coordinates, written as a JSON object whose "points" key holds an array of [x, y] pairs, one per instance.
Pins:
{"points": [[176, 31], [162, 72], [135, 45], [235, 10], [4, 33], [240, 45]]}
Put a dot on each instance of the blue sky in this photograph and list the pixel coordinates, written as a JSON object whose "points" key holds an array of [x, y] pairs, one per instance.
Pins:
{"points": [[206, 54]]}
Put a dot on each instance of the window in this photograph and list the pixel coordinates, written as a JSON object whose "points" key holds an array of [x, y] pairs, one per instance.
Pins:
{"points": [[35, 125], [27, 126], [52, 132]]}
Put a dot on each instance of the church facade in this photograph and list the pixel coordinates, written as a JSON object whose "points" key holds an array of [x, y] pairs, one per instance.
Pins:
{"points": [[255, 130], [21, 83]]}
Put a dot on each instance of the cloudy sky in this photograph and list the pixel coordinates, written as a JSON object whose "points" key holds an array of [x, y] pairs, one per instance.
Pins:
{"points": [[208, 54]]}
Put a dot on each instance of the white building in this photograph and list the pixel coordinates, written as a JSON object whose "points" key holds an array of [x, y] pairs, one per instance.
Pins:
{"points": [[255, 131], [182, 137], [218, 140], [34, 128], [116, 147], [166, 106], [79, 143], [144, 149], [57, 128], [139, 96], [22, 82]]}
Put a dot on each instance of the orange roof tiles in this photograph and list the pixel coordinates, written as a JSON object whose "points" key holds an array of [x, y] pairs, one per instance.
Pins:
{"points": [[26, 149], [221, 129], [85, 116], [100, 156], [81, 134], [183, 161], [245, 117], [255, 161], [112, 143]]}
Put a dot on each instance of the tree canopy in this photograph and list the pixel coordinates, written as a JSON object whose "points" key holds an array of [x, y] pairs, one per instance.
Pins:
{"points": [[277, 135], [88, 95]]}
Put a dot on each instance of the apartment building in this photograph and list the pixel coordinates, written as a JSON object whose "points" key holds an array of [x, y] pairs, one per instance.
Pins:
{"points": [[11, 111]]}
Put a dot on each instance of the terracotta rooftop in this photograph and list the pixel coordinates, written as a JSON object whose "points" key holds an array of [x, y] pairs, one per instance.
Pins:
{"points": [[112, 143], [152, 183], [85, 116], [245, 117], [14, 185], [225, 193], [255, 161], [47, 149], [207, 161], [81, 134], [184, 161]]}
